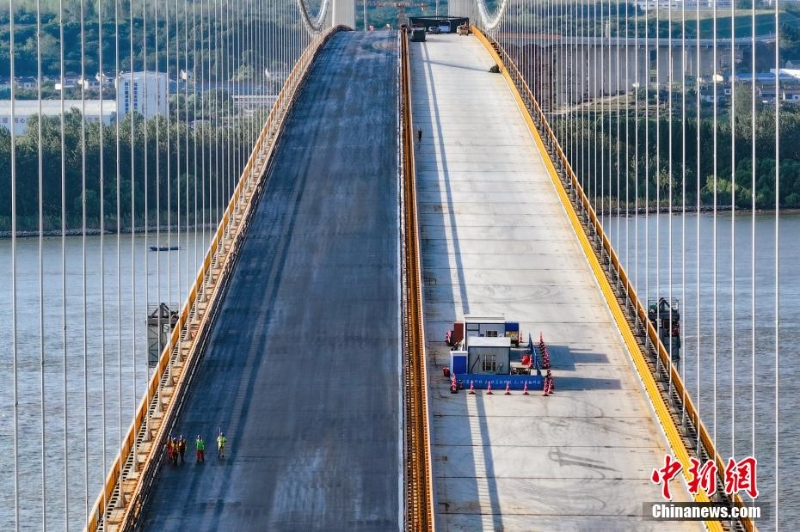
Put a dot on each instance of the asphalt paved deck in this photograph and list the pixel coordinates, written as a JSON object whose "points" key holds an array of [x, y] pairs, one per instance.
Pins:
{"points": [[496, 241], [303, 367]]}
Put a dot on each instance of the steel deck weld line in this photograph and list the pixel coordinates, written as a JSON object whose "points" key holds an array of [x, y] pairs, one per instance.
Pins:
{"points": [[664, 417], [98, 515]]}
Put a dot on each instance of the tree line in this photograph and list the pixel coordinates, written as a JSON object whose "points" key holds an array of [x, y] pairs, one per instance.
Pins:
{"points": [[165, 171], [222, 48], [657, 160]]}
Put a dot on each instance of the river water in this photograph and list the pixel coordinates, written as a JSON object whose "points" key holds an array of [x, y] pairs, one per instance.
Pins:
{"points": [[735, 389], [94, 302], [731, 323]]}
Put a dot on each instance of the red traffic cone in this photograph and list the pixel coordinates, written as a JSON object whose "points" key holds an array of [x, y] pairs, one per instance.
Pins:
{"points": [[525, 389], [489, 389], [472, 387], [508, 388]]}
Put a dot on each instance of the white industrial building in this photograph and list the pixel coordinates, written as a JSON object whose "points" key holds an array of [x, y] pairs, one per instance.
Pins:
{"points": [[93, 111], [144, 92]]}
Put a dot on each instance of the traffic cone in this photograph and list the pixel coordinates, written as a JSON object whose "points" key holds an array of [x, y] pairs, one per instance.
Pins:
{"points": [[548, 384], [508, 388], [489, 389], [472, 387], [525, 389]]}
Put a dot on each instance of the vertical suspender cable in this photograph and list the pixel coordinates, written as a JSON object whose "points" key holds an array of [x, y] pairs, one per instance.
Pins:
{"points": [[670, 177], [101, 186], [646, 149], [195, 131], [618, 144], [658, 164], [190, 217], [159, 176], [733, 128], [64, 358], [142, 129], [188, 220], [178, 156], [594, 96], [777, 266], [213, 55], [625, 34], [83, 270], [14, 347], [753, 196], [102, 273], [599, 140], [697, 229], [43, 410], [168, 155], [117, 132], [193, 127], [201, 125], [684, 56], [228, 124], [637, 76], [188, 172], [714, 227]]}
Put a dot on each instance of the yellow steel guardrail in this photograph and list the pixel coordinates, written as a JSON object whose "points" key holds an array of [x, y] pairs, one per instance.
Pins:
{"points": [[419, 475], [659, 404], [225, 241]]}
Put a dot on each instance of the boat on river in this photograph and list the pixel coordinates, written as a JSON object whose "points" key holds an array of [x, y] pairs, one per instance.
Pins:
{"points": [[163, 247]]}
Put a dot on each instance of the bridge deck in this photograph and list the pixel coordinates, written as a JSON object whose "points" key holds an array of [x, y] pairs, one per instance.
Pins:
{"points": [[496, 241], [303, 367]]}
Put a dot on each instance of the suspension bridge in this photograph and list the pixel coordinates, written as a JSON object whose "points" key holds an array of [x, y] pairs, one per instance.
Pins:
{"points": [[326, 203]]}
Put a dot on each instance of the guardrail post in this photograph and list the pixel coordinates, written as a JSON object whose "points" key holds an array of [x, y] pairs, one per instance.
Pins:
{"points": [[120, 502]]}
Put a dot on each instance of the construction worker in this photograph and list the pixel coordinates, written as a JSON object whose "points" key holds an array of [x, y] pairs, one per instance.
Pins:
{"points": [[221, 441], [182, 448], [200, 445], [170, 450]]}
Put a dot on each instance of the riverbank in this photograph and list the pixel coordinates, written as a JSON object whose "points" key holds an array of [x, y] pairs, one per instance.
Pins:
{"points": [[678, 209], [164, 229]]}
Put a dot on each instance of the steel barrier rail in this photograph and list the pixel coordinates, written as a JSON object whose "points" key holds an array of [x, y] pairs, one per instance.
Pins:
{"points": [[119, 502], [626, 293], [419, 475]]}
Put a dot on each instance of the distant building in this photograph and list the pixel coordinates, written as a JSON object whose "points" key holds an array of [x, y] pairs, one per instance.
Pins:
{"points": [[27, 83], [92, 110], [144, 92]]}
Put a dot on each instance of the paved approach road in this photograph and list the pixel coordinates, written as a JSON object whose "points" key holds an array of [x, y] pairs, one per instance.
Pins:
{"points": [[303, 367]]}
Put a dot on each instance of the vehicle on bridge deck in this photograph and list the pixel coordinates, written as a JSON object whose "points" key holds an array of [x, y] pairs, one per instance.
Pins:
{"points": [[482, 354]]}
